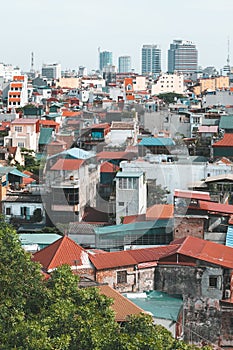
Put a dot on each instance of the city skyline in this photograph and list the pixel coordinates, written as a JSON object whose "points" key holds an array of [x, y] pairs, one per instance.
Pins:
{"points": [[72, 33]]}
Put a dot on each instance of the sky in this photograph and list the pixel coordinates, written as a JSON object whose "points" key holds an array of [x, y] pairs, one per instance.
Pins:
{"points": [[69, 32]]}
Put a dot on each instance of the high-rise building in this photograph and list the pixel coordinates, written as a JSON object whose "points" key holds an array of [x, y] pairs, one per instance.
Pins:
{"points": [[151, 60], [124, 64], [105, 59], [51, 71], [182, 57]]}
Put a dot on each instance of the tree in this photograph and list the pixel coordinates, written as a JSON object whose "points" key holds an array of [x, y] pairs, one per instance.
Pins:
{"points": [[170, 97], [156, 194], [56, 314]]}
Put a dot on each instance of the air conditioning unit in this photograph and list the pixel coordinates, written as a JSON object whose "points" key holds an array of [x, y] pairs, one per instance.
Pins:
{"points": [[227, 294]]}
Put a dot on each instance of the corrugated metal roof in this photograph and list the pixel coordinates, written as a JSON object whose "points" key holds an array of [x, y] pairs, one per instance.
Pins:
{"points": [[112, 260], [45, 135], [192, 194], [226, 122], [215, 207], [130, 257], [157, 141], [159, 304], [129, 174], [223, 177], [38, 238], [226, 141], [198, 248], [229, 237], [160, 211], [136, 226]]}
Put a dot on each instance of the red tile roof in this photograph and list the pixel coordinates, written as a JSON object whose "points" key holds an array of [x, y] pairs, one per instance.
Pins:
{"points": [[63, 251], [67, 164], [198, 248], [192, 194], [226, 141], [122, 306], [107, 167]]}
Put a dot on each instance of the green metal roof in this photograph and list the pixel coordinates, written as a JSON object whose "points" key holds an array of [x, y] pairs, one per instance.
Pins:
{"points": [[38, 238], [45, 136], [226, 122], [157, 141], [136, 227], [159, 304], [16, 172], [129, 174]]}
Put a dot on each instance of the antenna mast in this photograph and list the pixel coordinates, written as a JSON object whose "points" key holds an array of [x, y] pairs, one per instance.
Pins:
{"points": [[228, 52], [32, 62]]}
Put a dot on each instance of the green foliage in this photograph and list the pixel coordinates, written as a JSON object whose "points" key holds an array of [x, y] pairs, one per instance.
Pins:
{"points": [[169, 97], [156, 194], [58, 315], [31, 164]]}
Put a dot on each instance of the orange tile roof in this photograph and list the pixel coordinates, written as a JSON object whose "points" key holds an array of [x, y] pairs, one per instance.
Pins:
{"points": [[226, 141], [134, 218], [160, 211], [48, 122], [122, 306], [107, 167], [63, 251], [201, 249], [67, 113], [67, 164], [14, 99]]}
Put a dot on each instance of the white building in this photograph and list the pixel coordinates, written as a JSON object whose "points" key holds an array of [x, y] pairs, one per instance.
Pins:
{"points": [[168, 83], [18, 92], [131, 194], [121, 131], [7, 71], [51, 71], [174, 175], [139, 83]]}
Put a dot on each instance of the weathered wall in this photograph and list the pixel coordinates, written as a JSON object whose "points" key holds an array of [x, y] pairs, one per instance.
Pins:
{"points": [[188, 226], [110, 277], [202, 320]]}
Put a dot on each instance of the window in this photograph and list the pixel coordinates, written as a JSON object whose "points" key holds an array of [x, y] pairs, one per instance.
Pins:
{"points": [[8, 211], [121, 276], [121, 204], [20, 144], [213, 282], [18, 128]]}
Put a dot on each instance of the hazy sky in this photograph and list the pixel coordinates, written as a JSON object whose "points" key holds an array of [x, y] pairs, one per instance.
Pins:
{"points": [[71, 31]]}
